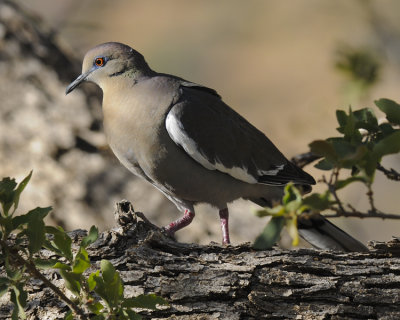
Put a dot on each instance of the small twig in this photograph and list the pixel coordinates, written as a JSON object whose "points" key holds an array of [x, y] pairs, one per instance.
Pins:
{"points": [[357, 214], [331, 186], [351, 207], [390, 174], [370, 195], [304, 159], [33, 271]]}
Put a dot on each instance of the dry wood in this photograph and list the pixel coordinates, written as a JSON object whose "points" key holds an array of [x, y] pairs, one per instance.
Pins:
{"points": [[237, 282]]}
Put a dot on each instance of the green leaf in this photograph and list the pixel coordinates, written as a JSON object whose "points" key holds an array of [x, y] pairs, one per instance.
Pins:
{"points": [[4, 285], [107, 271], [95, 307], [342, 147], [388, 145], [369, 166], [92, 280], [53, 230], [350, 131], [39, 213], [69, 315], [19, 220], [366, 119], [343, 183], [390, 108], [35, 228], [101, 288], [6, 224], [270, 234], [10, 193], [18, 298], [132, 315], [278, 210], [352, 158], [290, 194], [14, 274], [318, 202], [4, 280], [49, 246], [144, 301], [347, 154], [325, 149], [110, 286], [91, 237], [291, 227], [19, 190], [81, 261], [386, 129], [7, 187], [45, 263], [3, 289], [61, 241], [324, 164], [292, 198], [341, 117], [61, 266], [72, 281]]}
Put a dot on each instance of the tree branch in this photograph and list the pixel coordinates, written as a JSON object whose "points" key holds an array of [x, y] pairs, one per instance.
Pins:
{"points": [[34, 272], [357, 214], [303, 159], [237, 282], [390, 174]]}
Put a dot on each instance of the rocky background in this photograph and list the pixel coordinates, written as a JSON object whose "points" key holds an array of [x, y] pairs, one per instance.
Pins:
{"points": [[270, 60]]}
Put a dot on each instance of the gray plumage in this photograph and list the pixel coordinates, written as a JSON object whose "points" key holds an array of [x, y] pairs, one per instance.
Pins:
{"points": [[182, 138]]}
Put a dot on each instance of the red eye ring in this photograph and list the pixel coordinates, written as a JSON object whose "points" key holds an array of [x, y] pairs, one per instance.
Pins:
{"points": [[99, 62]]}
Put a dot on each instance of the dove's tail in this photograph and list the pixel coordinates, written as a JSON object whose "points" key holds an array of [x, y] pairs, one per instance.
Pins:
{"points": [[322, 234]]}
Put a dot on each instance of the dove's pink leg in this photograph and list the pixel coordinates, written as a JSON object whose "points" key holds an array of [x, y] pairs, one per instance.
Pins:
{"points": [[224, 216], [180, 223]]}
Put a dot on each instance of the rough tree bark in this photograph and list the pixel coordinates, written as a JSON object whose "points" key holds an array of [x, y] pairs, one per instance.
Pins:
{"points": [[237, 282]]}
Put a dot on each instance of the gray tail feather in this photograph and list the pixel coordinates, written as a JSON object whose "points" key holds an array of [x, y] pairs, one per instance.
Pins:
{"points": [[322, 234]]}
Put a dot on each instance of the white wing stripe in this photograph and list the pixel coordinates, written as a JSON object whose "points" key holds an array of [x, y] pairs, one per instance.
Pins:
{"points": [[272, 172], [180, 137]]}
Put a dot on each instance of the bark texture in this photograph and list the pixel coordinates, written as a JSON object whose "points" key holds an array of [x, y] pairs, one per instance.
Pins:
{"points": [[237, 282]]}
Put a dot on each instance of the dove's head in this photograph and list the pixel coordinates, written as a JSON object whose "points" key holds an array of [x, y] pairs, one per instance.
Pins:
{"points": [[110, 60]]}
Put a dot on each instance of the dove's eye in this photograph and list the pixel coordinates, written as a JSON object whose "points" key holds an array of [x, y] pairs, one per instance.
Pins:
{"points": [[99, 62]]}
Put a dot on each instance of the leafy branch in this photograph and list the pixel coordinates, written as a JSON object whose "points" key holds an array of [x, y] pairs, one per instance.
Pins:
{"points": [[303, 159], [356, 154], [285, 214], [18, 261], [98, 295]]}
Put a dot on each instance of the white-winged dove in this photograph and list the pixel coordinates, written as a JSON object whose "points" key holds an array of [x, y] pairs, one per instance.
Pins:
{"points": [[183, 139]]}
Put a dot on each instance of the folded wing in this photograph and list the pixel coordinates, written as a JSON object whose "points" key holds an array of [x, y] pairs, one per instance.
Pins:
{"points": [[220, 139]]}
